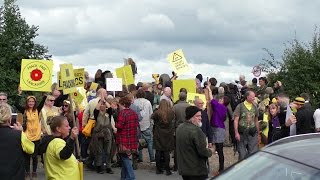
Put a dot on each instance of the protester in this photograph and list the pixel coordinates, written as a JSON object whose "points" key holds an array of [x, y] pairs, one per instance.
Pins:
{"points": [[219, 115], [59, 162], [3, 98], [316, 117], [163, 135], [246, 126], [32, 129], [14, 143], [179, 110], [205, 122], [100, 145], [191, 147], [145, 124], [274, 124], [67, 112], [167, 95], [304, 115], [47, 111], [127, 137]]}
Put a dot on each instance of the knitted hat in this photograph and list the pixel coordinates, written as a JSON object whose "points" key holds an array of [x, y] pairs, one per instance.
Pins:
{"points": [[191, 111], [299, 100]]}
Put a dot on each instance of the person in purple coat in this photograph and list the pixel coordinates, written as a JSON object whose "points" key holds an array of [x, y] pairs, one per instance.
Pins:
{"points": [[219, 115]]}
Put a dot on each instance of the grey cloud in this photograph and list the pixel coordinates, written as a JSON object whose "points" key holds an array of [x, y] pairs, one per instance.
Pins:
{"points": [[208, 31]]}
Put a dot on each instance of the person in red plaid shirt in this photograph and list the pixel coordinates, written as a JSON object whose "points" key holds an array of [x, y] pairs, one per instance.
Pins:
{"points": [[127, 137]]}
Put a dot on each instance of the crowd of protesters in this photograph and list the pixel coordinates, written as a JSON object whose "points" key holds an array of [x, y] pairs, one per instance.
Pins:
{"points": [[144, 116]]}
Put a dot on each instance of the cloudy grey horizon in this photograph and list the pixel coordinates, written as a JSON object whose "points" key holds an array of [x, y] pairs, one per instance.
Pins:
{"points": [[220, 39]]}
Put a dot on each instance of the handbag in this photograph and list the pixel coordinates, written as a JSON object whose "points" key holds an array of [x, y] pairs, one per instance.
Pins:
{"points": [[87, 130]]}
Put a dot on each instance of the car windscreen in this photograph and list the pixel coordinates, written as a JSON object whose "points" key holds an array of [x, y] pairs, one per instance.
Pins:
{"points": [[265, 166]]}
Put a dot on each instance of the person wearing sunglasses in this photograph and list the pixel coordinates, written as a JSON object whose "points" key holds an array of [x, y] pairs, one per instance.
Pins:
{"points": [[3, 98], [48, 110], [32, 129]]}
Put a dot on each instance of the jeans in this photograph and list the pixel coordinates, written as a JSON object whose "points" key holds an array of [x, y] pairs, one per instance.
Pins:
{"points": [[127, 172], [147, 135]]}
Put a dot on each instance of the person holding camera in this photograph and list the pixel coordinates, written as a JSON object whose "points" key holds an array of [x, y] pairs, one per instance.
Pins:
{"points": [[246, 125]]}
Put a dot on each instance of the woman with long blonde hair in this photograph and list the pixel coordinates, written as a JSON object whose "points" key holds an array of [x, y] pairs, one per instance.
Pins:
{"points": [[48, 110], [163, 134]]}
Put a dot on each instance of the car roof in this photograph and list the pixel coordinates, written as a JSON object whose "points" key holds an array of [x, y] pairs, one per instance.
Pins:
{"points": [[304, 149]]}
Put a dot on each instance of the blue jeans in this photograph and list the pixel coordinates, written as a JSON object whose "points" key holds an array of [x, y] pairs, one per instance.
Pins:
{"points": [[147, 135], [127, 170]]}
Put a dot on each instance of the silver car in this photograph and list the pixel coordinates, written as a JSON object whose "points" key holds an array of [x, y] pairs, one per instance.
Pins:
{"points": [[291, 158]]}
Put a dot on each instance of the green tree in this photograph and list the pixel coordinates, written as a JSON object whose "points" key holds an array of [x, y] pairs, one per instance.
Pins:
{"points": [[16, 42], [299, 68]]}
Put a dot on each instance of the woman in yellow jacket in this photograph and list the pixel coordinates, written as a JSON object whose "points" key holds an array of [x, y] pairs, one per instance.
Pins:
{"points": [[32, 128], [59, 162]]}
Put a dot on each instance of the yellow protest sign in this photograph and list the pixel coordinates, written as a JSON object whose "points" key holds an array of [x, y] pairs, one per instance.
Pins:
{"points": [[156, 78], [77, 96], [126, 74], [178, 62], [78, 77], [94, 86], [192, 96], [67, 78], [36, 75], [189, 84]]}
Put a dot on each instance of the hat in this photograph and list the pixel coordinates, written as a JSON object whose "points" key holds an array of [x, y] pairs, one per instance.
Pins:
{"points": [[299, 100], [191, 111], [29, 97]]}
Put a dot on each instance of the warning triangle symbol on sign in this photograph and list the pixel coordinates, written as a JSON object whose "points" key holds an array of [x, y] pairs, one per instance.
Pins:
{"points": [[176, 57]]}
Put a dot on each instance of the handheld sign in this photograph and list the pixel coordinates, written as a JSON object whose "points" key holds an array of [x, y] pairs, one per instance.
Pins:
{"points": [[189, 84], [78, 77], [36, 75], [94, 86], [126, 74], [67, 79], [114, 84], [178, 62], [192, 96]]}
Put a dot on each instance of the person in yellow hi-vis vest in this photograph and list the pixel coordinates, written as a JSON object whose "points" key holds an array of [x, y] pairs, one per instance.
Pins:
{"points": [[59, 162]]}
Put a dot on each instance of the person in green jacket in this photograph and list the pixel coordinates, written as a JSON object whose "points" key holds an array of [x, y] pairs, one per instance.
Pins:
{"points": [[192, 151]]}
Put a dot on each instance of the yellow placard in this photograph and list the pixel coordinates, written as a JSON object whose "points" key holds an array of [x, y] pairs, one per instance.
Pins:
{"points": [[78, 77], [156, 78], [94, 86], [67, 78], [84, 102], [36, 75], [189, 84], [77, 96], [192, 96], [178, 62], [126, 74]]}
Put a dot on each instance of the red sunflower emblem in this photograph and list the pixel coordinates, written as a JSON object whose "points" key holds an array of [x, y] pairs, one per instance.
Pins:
{"points": [[36, 75]]}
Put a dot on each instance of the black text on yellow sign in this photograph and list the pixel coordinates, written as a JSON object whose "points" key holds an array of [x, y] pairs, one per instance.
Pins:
{"points": [[78, 79]]}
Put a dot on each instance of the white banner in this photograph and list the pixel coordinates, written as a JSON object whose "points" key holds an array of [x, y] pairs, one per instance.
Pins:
{"points": [[114, 84]]}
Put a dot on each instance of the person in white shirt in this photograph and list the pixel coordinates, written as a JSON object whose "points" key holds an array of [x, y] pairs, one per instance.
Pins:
{"points": [[145, 124], [316, 117]]}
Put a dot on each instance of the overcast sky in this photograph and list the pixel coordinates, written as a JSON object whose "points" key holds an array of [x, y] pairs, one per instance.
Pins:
{"points": [[220, 38]]}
